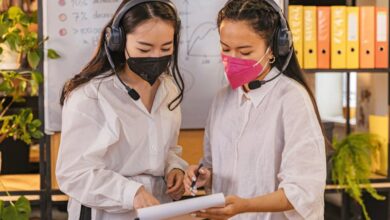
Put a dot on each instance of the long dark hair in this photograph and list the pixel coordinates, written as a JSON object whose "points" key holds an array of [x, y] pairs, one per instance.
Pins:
{"points": [[99, 63], [265, 20]]}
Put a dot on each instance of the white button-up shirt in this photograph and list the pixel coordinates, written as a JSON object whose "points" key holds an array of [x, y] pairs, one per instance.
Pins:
{"points": [[111, 145], [267, 139]]}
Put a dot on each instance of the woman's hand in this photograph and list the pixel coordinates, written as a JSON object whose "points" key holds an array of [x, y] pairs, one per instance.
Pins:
{"points": [[175, 184], [144, 199], [234, 205], [203, 178]]}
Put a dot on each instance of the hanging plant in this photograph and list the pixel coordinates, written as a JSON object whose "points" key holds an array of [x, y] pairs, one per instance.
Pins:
{"points": [[352, 164]]}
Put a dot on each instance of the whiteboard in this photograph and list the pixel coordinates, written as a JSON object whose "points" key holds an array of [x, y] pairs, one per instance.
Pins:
{"points": [[200, 60], [74, 27]]}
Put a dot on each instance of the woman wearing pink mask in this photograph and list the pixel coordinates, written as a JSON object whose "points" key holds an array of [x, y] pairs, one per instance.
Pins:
{"points": [[264, 147]]}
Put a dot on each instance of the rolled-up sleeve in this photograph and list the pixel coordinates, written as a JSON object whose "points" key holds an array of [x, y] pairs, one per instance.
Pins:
{"points": [[302, 173], [80, 170]]}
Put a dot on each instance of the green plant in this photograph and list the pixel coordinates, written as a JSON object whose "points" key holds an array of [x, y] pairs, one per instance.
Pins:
{"points": [[18, 125], [20, 210], [15, 31], [21, 125], [352, 165]]}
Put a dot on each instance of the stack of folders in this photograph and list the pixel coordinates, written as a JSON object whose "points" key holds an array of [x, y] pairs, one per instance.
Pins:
{"points": [[340, 37]]}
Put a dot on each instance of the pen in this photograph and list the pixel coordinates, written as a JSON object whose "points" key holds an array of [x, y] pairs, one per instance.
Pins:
{"points": [[197, 173]]}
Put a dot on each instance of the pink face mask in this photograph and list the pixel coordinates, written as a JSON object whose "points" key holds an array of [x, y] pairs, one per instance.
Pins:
{"points": [[240, 71]]}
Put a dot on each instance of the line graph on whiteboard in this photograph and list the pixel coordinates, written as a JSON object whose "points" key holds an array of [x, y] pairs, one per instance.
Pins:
{"points": [[199, 58], [201, 38]]}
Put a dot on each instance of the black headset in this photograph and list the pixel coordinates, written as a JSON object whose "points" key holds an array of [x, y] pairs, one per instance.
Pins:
{"points": [[115, 38], [282, 43]]}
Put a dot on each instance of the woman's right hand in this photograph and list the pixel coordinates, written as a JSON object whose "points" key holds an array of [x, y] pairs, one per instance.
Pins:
{"points": [[144, 199], [202, 180]]}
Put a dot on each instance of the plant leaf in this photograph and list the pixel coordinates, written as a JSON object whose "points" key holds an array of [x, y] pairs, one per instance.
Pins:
{"points": [[5, 86], [14, 12], [3, 29], [37, 134], [10, 213], [52, 54], [12, 39], [23, 207], [36, 123], [1, 208], [37, 77], [33, 59]]}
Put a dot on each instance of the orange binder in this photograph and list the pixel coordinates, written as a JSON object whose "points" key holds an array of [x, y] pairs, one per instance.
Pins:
{"points": [[323, 19], [382, 38], [367, 37]]}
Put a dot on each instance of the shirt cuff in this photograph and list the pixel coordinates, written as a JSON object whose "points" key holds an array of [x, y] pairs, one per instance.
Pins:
{"points": [[172, 166], [294, 196], [176, 163], [129, 194]]}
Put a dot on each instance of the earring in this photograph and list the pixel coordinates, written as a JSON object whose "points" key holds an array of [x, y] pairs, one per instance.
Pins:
{"points": [[272, 60]]}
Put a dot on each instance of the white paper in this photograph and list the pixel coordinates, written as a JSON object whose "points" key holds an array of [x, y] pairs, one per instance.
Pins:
{"points": [[381, 27], [353, 27], [179, 208]]}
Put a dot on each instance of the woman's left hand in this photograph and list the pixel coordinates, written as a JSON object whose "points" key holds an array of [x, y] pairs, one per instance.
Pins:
{"points": [[175, 184], [234, 205]]}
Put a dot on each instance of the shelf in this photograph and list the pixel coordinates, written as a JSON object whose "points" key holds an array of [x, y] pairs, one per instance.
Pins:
{"points": [[346, 70], [385, 185], [339, 120], [18, 70], [55, 198], [17, 184]]}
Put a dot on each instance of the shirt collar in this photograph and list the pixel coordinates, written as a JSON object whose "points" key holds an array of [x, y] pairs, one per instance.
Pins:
{"points": [[257, 95], [161, 94]]}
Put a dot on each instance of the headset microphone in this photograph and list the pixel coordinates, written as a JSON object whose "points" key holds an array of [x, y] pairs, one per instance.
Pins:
{"points": [[256, 84], [132, 93]]}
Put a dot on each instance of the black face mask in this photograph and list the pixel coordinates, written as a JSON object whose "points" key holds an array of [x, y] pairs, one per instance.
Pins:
{"points": [[149, 68]]}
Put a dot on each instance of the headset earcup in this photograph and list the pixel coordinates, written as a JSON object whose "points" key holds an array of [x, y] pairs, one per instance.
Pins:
{"points": [[275, 46], [284, 42], [115, 40]]}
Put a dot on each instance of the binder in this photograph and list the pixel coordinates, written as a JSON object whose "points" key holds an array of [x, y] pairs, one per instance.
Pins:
{"points": [[382, 38], [310, 37], [323, 52], [353, 38], [295, 19], [338, 37], [367, 35]]}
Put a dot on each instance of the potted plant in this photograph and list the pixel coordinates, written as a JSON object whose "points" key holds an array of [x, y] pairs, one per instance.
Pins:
{"points": [[19, 39], [17, 35], [351, 165]]}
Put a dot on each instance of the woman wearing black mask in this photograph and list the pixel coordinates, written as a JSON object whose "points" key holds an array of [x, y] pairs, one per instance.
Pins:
{"points": [[121, 117]]}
